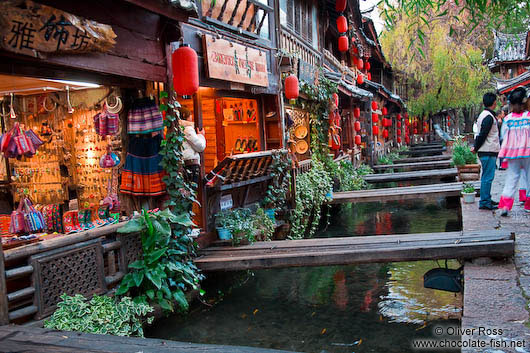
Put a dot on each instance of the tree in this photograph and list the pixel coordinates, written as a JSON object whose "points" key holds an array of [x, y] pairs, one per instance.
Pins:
{"points": [[448, 71]]}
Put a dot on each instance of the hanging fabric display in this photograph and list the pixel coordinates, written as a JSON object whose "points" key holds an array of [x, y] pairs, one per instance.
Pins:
{"points": [[144, 117]]}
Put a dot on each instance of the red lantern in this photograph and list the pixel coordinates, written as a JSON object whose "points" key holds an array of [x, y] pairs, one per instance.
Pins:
{"points": [[291, 87], [357, 113], [360, 79], [340, 5], [342, 24], [375, 118], [407, 122], [335, 98], [406, 115], [185, 70], [398, 124], [398, 116], [385, 111], [398, 139], [448, 123], [385, 133], [407, 139], [357, 140], [374, 105], [360, 64], [357, 126], [415, 131], [367, 66], [375, 130], [369, 76], [398, 132], [343, 44]]}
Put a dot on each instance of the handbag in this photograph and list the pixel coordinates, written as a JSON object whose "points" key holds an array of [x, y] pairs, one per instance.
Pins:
{"points": [[33, 218], [18, 224], [34, 138], [24, 145], [6, 138], [109, 159]]}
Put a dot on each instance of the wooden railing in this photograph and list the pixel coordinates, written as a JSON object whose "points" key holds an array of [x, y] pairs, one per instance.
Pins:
{"points": [[293, 43], [242, 16], [89, 262]]}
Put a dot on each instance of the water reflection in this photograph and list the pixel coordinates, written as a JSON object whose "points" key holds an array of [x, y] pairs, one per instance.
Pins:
{"points": [[361, 308]]}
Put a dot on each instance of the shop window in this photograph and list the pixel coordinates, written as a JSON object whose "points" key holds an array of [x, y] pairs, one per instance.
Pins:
{"points": [[301, 17]]}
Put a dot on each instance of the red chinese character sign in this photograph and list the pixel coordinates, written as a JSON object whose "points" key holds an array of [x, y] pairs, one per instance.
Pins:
{"points": [[30, 28], [234, 62]]}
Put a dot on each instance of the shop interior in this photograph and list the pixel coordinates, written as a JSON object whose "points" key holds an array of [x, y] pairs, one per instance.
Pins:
{"points": [[74, 156]]}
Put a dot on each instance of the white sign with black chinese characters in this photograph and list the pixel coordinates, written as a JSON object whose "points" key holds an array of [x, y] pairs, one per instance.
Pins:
{"points": [[226, 202], [30, 28]]}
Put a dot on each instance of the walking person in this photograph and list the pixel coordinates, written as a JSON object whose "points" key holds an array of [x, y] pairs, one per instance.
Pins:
{"points": [[515, 149], [487, 147]]}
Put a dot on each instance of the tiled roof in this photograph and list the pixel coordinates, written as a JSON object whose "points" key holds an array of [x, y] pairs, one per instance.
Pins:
{"points": [[509, 47]]}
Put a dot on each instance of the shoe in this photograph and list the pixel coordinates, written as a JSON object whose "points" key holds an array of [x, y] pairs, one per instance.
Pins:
{"points": [[491, 208], [504, 213], [494, 203]]}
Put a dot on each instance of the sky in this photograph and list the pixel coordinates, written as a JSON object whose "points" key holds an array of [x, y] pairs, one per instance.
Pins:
{"points": [[366, 4]]}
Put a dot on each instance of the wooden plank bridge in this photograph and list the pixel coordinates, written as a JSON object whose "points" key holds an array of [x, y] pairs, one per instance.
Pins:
{"points": [[407, 176], [423, 159], [401, 193], [357, 250], [446, 163], [424, 152]]}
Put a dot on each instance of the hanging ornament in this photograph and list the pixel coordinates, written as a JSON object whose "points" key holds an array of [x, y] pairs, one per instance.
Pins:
{"points": [[385, 111], [448, 123], [335, 98], [342, 24], [185, 70], [12, 113], [374, 105], [407, 139], [357, 126], [291, 87], [360, 64], [360, 79], [398, 124], [340, 5], [375, 118], [385, 133], [357, 112], [343, 44], [398, 116], [358, 140], [68, 104], [355, 50], [415, 132], [398, 132], [367, 65], [398, 139], [375, 130], [369, 76], [406, 115]]}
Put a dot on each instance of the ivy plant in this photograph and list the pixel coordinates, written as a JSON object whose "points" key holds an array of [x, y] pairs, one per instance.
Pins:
{"points": [[166, 269], [239, 222], [101, 315], [263, 224], [279, 187]]}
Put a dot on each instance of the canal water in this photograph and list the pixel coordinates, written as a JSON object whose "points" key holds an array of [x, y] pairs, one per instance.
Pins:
{"points": [[361, 308]]}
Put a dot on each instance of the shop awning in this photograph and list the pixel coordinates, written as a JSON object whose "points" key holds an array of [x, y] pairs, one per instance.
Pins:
{"points": [[241, 170], [347, 88]]}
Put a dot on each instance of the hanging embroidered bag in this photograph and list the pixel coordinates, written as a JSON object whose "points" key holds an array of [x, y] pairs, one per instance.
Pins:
{"points": [[18, 225]]}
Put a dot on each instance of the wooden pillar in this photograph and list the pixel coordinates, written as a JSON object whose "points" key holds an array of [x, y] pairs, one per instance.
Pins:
{"points": [[4, 310]]}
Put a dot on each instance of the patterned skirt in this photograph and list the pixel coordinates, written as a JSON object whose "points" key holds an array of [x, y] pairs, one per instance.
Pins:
{"points": [[142, 176], [144, 117]]}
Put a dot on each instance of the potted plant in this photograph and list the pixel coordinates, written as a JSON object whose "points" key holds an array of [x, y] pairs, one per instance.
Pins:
{"points": [[222, 223], [264, 226], [239, 223], [465, 161], [468, 193]]}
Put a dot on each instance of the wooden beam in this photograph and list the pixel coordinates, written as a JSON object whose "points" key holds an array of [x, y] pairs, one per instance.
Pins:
{"points": [[405, 176], [422, 159], [162, 8], [414, 166], [4, 309]]}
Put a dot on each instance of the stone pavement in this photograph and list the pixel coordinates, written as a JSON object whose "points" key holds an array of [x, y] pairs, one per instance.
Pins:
{"points": [[497, 293]]}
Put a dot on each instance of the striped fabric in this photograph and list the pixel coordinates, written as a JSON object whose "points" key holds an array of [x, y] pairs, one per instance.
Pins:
{"points": [[144, 120], [142, 176]]}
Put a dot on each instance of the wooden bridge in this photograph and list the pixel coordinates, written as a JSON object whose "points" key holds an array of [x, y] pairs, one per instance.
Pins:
{"points": [[446, 163], [407, 176], [400, 193], [357, 250], [423, 159], [424, 152]]}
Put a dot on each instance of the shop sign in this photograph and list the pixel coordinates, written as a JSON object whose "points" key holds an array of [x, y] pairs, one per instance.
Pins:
{"points": [[230, 61], [29, 28], [306, 72]]}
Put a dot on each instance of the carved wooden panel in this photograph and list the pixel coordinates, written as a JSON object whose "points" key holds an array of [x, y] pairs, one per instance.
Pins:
{"points": [[130, 251], [75, 269]]}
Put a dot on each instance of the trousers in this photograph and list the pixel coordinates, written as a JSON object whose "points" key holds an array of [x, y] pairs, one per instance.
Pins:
{"points": [[516, 168]]}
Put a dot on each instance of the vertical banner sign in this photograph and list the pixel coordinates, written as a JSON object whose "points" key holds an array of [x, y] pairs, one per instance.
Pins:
{"points": [[230, 61], [30, 28], [306, 72]]}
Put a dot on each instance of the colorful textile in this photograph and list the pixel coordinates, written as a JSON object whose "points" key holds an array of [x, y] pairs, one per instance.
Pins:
{"points": [[142, 176], [516, 167], [144, 117], [516, 136], [106, 123]]}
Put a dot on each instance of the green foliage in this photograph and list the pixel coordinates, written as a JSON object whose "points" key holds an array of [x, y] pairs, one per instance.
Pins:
{"points": [[444, 72], [385, 160], [462, 154], [101, 315], [350, 178], [166, 269], [239, 222], [311, 190], [468, 188], [263, 225], [279, 187]]}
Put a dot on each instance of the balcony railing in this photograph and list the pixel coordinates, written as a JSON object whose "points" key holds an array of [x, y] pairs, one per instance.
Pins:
{"points": [[248, 17], [293, 43]]}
